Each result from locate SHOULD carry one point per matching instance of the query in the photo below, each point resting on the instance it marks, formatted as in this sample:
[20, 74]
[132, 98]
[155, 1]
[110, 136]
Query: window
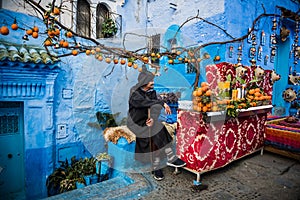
[83, 18]
[102, 13]
[96, 21]
[10, 117]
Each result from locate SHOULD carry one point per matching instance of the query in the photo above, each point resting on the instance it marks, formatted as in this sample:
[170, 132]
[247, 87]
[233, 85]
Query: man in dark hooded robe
[152, 138]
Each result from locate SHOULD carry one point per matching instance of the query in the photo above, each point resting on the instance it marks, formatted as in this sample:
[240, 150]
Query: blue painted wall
[92, 91]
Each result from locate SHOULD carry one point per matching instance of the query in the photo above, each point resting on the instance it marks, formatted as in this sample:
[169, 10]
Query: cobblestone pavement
[262, 177]
[259, 177]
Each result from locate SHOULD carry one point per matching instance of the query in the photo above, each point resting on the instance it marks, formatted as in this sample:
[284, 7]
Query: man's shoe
[176, 163]
[158, 175]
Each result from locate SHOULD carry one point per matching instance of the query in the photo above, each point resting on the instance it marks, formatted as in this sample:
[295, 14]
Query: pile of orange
[231, 104]
[256, 95]
[202, 99]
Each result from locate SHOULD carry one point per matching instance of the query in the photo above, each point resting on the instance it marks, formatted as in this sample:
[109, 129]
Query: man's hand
[149, 122]
[167, 109]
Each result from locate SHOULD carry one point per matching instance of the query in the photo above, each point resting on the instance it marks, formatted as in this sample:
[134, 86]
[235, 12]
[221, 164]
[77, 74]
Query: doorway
[12, 178]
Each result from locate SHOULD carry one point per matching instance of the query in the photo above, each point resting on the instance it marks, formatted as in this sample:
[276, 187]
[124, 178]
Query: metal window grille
[83, 19]
[102, 13]
[9, 118]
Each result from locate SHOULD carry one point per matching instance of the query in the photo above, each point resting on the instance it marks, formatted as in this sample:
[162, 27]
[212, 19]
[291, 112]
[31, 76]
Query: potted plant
[53, 181]
[63, 178]
[80, 182]
[109, 28]
[87, 168]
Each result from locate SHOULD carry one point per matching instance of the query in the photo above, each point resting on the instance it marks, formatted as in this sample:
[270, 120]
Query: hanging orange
[14, 26]
[47, 43]
[135, 66]
[100, 58]
[170, 61]
[116, 61]
[65, 44]
[108, 60]
[56, 11]
[29, 32]
[69, 34]
[74, 52]
[123, 62]
[35, 29]
[35, 34]
[61, 42]
[4, 30]
[145, 59]
[88, 52]
[97, 49]
[57, 31]
[129, 64]
[50, 33]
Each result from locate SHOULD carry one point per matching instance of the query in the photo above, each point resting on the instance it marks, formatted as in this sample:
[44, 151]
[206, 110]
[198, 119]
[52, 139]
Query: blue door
[12, 181]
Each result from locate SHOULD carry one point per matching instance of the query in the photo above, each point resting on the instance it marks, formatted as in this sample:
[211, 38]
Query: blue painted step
[124, 186]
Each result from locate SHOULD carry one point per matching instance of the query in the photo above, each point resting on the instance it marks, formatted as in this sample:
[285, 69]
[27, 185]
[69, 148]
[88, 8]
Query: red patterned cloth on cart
[207, 146]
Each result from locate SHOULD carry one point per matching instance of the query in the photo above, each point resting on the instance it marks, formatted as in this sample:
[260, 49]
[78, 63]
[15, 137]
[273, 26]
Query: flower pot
[79, 185]
[94, 179]
[104, 170]
[87, 179]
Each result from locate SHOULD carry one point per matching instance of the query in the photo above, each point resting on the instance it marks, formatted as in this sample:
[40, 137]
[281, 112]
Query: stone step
[121, 187]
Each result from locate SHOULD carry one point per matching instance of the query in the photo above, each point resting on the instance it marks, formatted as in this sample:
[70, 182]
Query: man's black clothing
[140, 101]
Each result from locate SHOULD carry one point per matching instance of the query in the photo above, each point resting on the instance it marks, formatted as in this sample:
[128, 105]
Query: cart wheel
[198, 188]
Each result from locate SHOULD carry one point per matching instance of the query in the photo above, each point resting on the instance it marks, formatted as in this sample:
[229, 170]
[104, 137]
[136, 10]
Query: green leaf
[242, 81]
[228, 77]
